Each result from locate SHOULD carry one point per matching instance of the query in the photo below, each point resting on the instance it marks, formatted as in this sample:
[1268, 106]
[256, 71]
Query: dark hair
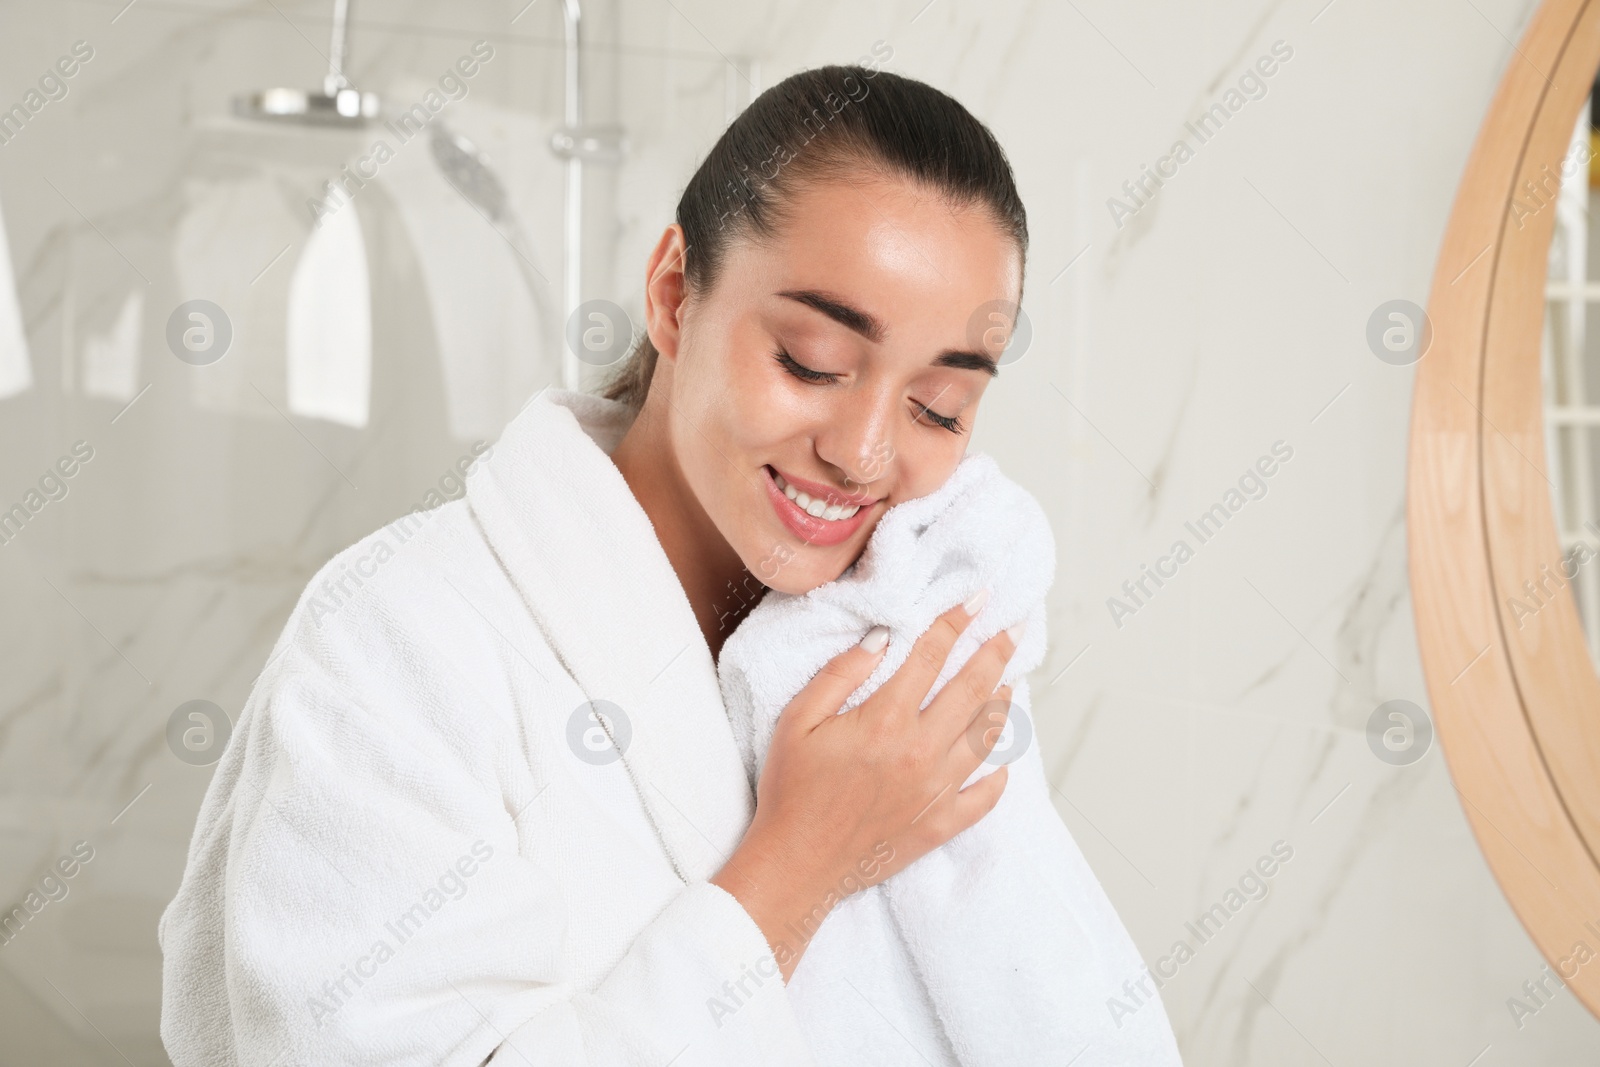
[817, 124]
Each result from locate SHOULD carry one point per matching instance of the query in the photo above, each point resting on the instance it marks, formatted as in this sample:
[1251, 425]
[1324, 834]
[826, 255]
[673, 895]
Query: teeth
[815, 507]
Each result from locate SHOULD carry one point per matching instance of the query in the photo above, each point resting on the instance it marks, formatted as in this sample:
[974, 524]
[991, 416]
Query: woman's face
[832, 370]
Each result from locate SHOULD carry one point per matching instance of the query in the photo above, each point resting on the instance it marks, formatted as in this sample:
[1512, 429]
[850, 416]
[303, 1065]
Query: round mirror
[1503, 445]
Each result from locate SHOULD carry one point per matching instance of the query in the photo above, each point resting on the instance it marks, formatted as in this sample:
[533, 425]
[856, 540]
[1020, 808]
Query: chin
[796, 569]
[796, 581]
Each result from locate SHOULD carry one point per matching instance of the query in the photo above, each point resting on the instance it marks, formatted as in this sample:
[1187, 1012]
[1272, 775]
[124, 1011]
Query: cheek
[924, 459]
[723, 429]
[754, 412]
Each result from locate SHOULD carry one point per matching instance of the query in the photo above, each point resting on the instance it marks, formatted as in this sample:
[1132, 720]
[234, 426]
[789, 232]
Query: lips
[835, 523]
[817, 506]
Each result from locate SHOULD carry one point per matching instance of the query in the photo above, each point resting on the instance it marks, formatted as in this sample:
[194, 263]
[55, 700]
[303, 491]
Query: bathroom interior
[253, 336]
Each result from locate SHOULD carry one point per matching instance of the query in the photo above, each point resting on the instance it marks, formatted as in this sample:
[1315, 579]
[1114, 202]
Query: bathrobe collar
[586, 560]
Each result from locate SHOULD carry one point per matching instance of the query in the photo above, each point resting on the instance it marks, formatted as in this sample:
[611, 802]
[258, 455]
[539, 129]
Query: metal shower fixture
[338, 104]
[576, 144]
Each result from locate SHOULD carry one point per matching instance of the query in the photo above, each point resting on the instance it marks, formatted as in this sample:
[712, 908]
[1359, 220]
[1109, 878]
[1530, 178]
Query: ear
[664, 291]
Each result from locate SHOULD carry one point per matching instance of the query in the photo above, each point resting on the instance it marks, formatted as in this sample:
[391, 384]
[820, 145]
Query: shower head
[465, 167]
[467, 170]
[338, 104]
[343, 107]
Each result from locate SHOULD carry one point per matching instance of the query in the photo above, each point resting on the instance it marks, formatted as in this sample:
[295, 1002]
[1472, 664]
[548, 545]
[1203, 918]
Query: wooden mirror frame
[1516, 702]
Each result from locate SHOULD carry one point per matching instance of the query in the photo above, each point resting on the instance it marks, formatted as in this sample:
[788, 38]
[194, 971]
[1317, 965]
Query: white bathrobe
[413, 850]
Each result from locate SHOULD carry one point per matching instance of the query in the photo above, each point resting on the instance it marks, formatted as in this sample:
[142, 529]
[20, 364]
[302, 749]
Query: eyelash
[806, 374]
[953, 424]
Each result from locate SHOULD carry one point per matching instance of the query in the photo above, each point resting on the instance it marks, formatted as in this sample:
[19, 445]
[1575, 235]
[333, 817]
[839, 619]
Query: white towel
[16, 370]
[111, 356]
[330, 324]
[103, 304]
[240, 235]
[1000, 945]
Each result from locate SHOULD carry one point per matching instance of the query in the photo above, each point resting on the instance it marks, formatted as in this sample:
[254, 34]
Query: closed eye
[805, 374]
[952, 423]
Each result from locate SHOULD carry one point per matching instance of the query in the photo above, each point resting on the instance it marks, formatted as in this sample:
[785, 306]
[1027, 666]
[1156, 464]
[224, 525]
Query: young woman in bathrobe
[484, 801]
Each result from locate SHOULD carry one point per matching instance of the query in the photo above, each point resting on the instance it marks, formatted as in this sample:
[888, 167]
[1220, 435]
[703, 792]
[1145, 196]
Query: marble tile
[1227, 713]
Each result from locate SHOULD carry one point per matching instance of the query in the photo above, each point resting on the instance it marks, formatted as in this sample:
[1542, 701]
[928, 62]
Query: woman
[488, 804]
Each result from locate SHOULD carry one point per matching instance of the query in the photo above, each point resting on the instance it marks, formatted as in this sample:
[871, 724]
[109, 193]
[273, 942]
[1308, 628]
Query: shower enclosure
[165, 257]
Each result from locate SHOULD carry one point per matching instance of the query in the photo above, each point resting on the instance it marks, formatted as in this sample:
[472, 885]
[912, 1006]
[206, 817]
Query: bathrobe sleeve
[359, 891]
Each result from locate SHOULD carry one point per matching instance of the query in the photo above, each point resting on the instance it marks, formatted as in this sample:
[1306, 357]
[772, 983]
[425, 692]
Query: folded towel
[1000, 947]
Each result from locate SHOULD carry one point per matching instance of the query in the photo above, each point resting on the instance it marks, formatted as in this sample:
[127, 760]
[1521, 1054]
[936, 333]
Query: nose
[858, 437]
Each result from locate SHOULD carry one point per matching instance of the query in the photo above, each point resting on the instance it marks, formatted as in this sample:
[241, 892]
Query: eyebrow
[872, 328]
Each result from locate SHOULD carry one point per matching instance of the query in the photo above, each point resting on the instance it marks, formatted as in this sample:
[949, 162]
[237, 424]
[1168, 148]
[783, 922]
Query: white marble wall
[1225, 715]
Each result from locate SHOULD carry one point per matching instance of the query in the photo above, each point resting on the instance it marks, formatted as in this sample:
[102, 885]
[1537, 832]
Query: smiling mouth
[817, 520]
[816, 507]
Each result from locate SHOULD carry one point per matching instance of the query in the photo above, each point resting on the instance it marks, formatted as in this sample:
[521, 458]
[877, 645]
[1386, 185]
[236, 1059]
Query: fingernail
[1016, 632]
[876, 638]
[976, 601]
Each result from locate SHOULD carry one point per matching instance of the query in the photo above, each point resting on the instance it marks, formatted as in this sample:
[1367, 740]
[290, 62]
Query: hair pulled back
[823, 123]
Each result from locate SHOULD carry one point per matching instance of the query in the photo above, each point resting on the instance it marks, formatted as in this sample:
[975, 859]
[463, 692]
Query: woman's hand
[847, 800]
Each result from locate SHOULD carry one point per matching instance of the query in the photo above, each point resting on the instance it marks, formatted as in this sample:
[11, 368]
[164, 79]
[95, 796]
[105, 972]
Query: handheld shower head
[464, 167]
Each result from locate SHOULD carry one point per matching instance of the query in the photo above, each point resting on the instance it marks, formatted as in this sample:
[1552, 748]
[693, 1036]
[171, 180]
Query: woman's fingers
[826, 693]
[972, 686]
[979, 798]
[903, 693]
[969, 805]
[953, 809]
[982, 732]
